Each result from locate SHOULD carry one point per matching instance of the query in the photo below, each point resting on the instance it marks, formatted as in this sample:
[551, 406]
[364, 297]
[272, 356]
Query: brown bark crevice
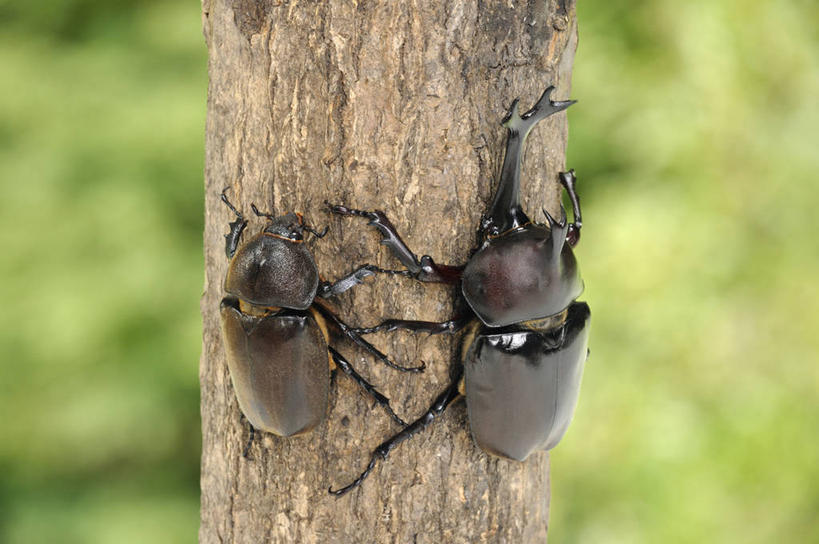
[382, 105]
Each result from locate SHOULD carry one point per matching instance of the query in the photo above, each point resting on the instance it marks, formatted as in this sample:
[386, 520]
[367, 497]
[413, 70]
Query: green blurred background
[696, 145]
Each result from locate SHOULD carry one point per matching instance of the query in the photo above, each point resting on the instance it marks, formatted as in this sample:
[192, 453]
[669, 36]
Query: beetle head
[289, 226]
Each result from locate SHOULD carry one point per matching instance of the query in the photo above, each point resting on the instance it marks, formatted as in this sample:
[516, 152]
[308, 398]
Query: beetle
[275, 328]
[526, 335]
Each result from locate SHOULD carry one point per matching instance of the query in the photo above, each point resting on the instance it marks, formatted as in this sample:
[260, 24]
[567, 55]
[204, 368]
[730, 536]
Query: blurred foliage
[694, 140]
[101, 150]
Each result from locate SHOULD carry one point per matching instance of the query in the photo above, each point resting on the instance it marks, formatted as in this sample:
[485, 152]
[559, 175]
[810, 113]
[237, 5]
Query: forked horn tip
[513, 114]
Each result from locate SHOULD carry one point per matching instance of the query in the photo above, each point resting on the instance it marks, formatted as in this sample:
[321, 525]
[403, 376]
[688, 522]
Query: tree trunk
[395, 106]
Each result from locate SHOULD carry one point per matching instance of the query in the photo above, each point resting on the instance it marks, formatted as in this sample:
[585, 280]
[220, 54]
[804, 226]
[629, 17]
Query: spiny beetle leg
[391, 237]
[569, 180]
[423, 269]
[327, 289]
[381, 452]
[432, 327]
[236, 227]
[352, 335]
[347, 368]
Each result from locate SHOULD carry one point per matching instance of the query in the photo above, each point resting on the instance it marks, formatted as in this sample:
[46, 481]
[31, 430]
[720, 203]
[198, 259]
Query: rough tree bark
[390, 105]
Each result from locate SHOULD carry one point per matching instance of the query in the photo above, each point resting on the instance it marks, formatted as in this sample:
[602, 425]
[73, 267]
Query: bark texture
[390, 105]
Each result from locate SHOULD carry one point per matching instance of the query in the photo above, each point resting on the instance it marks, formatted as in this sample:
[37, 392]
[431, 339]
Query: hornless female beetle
[525, 346]
[275, 330]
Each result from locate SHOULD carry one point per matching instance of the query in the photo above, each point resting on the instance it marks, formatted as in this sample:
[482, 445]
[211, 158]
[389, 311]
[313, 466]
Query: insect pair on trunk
[525, 334]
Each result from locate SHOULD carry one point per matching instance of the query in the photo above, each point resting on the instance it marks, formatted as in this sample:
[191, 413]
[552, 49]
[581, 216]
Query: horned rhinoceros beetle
[526, 335]
[276, 330]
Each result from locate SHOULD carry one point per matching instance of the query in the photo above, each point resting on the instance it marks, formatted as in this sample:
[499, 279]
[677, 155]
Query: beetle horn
[551, 220]
[513, 115]
[505, 212]
[544, 107]
[557, 230]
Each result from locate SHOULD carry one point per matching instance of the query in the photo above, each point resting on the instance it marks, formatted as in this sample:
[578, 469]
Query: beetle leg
[423, 269]
[352, 335]
[347, 368]
[327, 289]
[229, 205]
[381, 452]
[316, 233]
[568, 180]
[261, 214]
[236, 227]
[432, 327]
